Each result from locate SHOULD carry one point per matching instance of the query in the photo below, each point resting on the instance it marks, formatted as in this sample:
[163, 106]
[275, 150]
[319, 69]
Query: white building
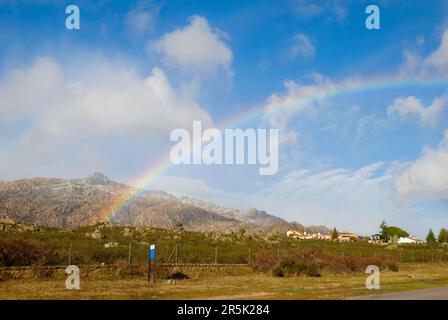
[409, 240]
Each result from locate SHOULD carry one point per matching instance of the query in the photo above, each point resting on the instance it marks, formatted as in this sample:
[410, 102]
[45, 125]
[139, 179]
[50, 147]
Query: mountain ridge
[69, 203]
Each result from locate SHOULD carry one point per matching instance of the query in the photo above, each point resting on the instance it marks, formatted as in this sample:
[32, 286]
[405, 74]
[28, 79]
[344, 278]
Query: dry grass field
[220, 286]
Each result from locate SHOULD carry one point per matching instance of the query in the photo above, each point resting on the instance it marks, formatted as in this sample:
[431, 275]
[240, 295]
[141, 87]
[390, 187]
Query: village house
[342, 236]
[409, 240]
[347, 236]
[302, 235]
[375, 238]
[326, 236]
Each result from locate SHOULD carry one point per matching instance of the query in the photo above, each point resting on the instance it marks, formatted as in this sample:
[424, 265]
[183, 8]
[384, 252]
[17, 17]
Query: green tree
[334, 234]
[384, 234]
[242, 231]
[431, 238]
[387, 233]
[396, 231]
[443, 236]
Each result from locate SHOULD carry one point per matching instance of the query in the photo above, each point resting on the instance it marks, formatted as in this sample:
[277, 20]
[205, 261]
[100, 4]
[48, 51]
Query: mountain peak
[98, 178]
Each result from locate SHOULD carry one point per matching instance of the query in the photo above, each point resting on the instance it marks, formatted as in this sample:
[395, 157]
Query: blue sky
[105, 98]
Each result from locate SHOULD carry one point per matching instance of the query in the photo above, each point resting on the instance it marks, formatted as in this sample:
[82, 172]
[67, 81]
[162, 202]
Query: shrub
[385, 262]
[264, 261]
[290, 267]
[278, 272]
[124, 269]
[312, 262]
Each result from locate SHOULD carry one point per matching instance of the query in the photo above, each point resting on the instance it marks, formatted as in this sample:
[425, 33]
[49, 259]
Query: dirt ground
[246, 286]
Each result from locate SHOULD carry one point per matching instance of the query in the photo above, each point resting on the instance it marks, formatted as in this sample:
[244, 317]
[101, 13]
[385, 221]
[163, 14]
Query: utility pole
[176, 254]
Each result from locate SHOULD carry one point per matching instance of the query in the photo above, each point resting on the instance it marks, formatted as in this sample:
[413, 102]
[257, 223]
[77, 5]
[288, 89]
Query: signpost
[152, 264]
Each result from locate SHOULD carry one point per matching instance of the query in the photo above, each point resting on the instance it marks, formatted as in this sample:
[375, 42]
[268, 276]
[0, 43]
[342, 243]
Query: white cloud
[427, 177]
[117, 102]
[405, 107]
[42, 84]
[435, 64]
[302, 47]
[280, 108]
[196, 47]
[58, 115]
[438, 60]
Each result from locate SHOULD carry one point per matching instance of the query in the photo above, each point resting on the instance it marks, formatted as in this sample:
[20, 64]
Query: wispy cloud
[405, 107]
[142, 18]
[330, 9]
[302, 47]
[434, 64]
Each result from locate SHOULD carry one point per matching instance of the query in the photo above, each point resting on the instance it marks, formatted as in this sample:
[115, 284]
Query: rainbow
[351, 86]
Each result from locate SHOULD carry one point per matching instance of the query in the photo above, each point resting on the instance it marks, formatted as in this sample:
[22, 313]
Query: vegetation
[391, 232]
[291, 267]
[443, 236]
[431, 238]
[58, 247]
[224, 286]
[313, 262]
[334, 234]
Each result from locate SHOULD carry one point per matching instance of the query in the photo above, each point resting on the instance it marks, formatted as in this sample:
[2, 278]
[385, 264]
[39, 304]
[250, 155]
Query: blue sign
[152, 252]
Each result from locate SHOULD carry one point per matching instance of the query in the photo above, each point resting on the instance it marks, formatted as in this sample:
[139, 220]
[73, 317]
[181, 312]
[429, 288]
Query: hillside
[73, 203]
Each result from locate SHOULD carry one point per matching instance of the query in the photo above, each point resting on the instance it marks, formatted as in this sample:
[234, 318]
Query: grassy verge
[220, 286]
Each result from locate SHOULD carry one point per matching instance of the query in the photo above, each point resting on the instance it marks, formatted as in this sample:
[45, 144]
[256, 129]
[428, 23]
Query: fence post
[249, 257]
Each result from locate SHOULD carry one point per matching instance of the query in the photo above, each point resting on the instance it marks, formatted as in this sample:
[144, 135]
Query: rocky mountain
[71, 203]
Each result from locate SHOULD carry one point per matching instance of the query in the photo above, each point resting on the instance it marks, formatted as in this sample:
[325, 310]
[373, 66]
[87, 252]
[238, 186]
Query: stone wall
[54, 271]
[192, 270]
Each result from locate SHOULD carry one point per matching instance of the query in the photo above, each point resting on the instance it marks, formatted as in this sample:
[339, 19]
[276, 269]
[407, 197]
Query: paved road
[424, 294]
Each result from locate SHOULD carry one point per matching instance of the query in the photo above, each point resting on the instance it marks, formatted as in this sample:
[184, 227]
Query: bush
[264, 261]
[289, 267]
[385, 262]
[17, 252]
[124, 269]
[313, 262]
